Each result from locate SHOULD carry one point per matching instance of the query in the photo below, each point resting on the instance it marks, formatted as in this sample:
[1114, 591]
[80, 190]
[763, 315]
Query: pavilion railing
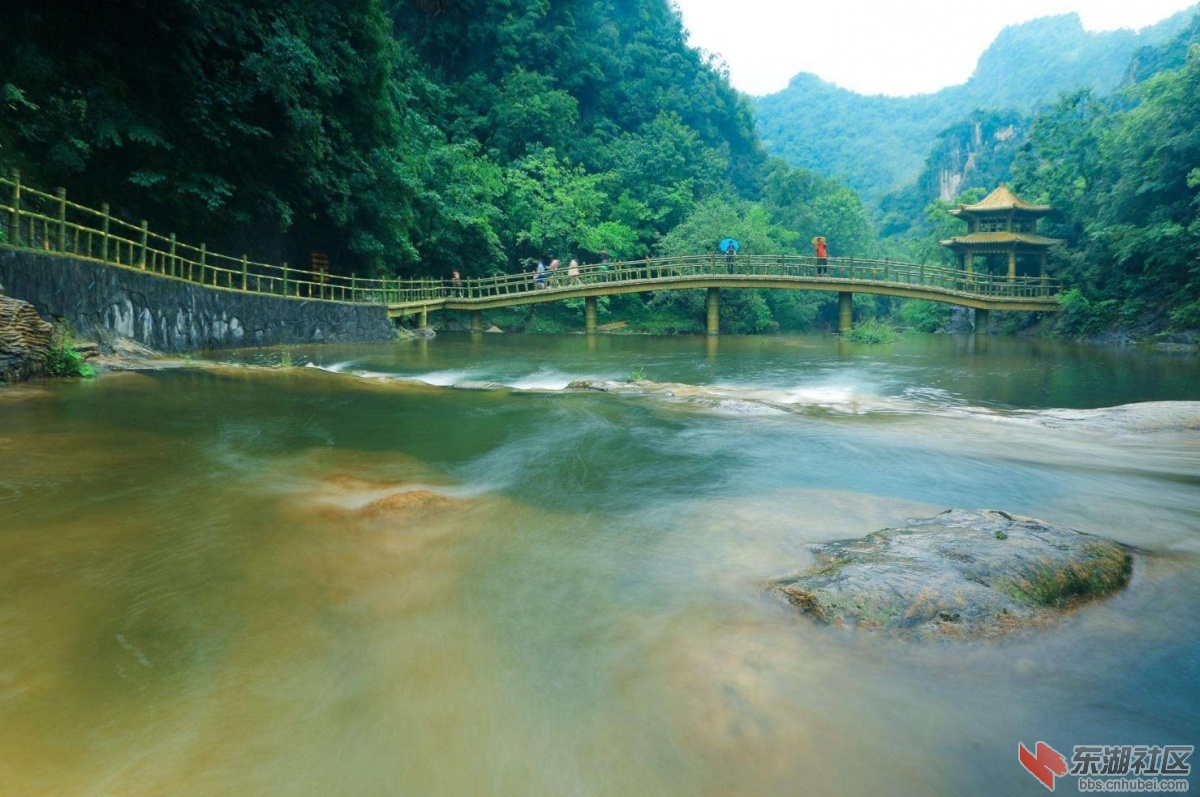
[33, 219]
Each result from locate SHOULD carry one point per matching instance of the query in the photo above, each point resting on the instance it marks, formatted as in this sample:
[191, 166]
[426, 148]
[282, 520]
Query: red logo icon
[1045, 765]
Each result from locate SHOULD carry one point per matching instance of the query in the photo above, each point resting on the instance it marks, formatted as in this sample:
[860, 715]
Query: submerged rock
[962, 573]
[474, 384]
[1141, 418]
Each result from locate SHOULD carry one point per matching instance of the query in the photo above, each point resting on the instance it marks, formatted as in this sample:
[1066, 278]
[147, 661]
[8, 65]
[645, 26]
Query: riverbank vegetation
[418, 137]
[62, 359]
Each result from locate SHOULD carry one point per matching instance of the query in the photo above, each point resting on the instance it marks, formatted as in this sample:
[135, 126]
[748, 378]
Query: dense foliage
[407, 137]
[410, 137]
[1128, 184]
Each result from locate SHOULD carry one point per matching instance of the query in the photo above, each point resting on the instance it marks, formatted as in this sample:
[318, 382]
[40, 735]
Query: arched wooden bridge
[846, 276]
[36, 220]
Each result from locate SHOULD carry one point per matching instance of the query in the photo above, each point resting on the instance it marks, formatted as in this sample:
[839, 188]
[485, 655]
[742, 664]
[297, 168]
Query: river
[350, 577]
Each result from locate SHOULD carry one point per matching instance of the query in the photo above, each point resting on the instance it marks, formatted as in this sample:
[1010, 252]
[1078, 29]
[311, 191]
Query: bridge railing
[765, 267]
[33, 219]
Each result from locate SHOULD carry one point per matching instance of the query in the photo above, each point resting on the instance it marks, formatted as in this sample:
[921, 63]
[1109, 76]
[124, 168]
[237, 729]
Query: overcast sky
[897, 47]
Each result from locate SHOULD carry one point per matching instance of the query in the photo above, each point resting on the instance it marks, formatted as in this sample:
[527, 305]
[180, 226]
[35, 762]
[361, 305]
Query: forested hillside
[405, 137]
[878, 144]
[1125, 173]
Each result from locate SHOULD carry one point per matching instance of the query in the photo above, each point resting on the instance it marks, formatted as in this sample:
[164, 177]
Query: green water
[352, 578]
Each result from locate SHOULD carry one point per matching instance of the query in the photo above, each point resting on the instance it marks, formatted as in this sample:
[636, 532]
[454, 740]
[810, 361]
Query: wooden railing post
[171, 260]
[244, 271]
[285, 289]
[354, 287]
[62, 219]
[203, 261]
[104, 230]
[142, 249]
[14, 223]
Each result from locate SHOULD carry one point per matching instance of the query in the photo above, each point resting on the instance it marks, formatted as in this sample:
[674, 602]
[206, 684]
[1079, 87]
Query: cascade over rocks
[24, 340]
[963, 574]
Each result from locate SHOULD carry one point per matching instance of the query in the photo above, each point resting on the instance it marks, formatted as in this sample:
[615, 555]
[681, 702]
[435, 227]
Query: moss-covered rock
[962, 574]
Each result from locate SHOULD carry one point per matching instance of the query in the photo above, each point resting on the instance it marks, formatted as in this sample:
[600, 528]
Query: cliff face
[24, 340]
[978, 151]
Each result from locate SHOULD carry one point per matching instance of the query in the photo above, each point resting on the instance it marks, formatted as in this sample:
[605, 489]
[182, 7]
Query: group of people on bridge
[547, 275]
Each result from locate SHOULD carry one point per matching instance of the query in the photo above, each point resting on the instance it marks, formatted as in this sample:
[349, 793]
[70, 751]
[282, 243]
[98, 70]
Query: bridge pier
[589, 314]
[981, 322]
[423, 318]
[477, 321]
[712, 303]
[845, 311]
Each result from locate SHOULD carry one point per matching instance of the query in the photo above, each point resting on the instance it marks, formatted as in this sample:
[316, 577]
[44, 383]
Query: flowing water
[353, 578]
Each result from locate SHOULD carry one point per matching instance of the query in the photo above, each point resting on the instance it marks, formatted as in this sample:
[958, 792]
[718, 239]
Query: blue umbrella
[729, 242]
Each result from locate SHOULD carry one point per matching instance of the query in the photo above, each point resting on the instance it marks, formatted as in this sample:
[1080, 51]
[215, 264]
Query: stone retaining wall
[175, 316]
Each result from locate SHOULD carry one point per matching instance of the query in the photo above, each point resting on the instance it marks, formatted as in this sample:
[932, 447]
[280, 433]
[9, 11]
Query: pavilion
[1002, 224]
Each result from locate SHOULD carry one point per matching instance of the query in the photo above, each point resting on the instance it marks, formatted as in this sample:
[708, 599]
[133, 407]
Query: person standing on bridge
[731, 258]
[554, 272]
[539, 279]
[573, 272]
[456, 283]
[822, 255]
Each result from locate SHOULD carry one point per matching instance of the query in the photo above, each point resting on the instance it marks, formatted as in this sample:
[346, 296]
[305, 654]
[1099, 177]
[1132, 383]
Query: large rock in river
[24, 340]
[962, 573]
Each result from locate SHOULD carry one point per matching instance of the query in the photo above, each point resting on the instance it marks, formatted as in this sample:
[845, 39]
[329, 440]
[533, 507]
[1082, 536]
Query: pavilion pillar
[970, 261]
[1012, 264]
[712, 304]
[589, 314]
[845, 311]
[1043, 265]
[981, 322]
[476, 320]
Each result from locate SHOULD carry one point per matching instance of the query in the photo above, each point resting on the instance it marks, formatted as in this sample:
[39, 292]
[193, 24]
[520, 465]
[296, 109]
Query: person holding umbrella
[730, 247]
[822, 255]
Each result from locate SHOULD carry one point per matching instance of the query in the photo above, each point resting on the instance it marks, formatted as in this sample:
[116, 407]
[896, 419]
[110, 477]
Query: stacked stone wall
[99, 301]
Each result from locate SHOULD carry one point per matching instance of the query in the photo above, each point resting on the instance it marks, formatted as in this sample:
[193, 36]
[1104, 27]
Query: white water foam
[543, 379]
[828, 395]
[336, 368]
[442, 378]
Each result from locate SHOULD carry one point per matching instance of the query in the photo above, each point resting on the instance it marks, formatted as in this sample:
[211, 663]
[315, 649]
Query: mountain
[878, 144]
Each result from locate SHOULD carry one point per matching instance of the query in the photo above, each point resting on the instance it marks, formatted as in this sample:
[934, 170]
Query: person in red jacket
[822, 254]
